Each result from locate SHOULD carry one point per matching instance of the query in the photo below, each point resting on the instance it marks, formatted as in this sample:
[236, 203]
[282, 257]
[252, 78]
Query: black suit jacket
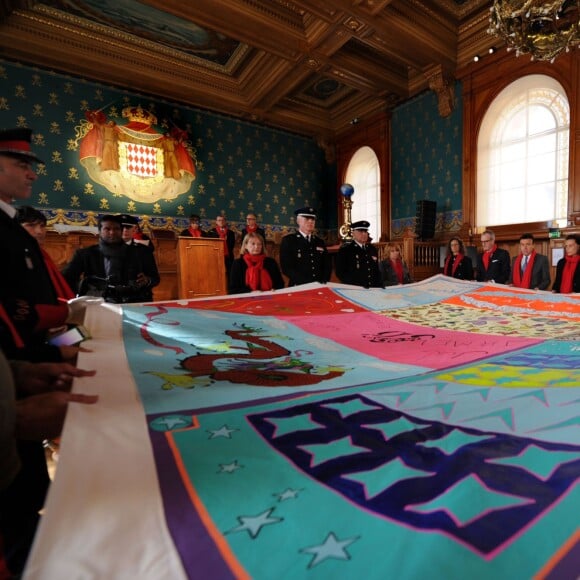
[558, 280]
[27, 293]
[302, 261]
[358, 266]
[89, 263]
[24, 273]
[260, 231]
[540, 273]
[498, 270]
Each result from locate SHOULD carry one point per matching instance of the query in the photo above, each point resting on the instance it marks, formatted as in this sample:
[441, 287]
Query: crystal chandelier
[540, 29]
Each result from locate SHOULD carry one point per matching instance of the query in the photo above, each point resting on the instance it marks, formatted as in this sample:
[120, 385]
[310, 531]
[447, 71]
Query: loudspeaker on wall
[425, 219]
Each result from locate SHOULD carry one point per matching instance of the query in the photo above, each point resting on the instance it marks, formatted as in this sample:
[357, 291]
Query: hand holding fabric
[78, 306]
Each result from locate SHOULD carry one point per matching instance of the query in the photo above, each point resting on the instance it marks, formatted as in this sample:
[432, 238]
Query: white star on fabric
[223, 431]
[253, 524]
[287, 494]
[172, 422]
[229, 467]
[332, 547]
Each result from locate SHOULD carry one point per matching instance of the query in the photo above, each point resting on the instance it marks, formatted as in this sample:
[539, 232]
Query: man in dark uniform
[30, 302]
[493, 264]
[118, 272]
[303, 255]
[132, 233]
[357, 261]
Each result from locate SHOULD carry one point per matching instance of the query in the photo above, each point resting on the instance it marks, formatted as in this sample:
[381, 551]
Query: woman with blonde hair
[254, 270]
[394, 269]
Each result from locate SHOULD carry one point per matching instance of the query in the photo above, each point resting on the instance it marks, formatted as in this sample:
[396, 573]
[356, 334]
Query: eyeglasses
[485, 241]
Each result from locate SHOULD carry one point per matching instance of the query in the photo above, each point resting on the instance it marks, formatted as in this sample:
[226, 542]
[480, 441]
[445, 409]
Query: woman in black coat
[457, 264]
[254, 270]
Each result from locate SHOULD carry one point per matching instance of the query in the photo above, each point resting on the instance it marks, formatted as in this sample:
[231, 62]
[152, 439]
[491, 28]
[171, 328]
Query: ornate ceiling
[309, 66]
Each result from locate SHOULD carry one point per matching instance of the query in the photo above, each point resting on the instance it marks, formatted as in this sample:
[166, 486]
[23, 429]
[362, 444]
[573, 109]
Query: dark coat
[24, 272]
[304, 262]
[540, 273]
[27, 293]
[238, 275]
[260, 231]
[464, 270]
[558, 280]
[88, 263]
[499, 267]
[389, 276]
[230, 243]
[358, 266]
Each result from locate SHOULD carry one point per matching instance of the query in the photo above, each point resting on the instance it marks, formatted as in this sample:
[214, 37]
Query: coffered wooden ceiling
[309, 66]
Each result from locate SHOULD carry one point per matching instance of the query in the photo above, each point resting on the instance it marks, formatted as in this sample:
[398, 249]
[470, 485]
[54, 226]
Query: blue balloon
[346, 189]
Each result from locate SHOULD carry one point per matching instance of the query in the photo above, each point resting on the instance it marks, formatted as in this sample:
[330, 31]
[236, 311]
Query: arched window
[363, 173]
[522, 154]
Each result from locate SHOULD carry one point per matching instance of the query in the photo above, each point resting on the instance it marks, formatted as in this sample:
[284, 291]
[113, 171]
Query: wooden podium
[201, 271]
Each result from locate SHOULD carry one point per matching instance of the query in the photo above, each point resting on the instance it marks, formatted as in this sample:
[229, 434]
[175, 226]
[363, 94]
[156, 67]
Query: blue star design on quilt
[331, 547]
[254, 524]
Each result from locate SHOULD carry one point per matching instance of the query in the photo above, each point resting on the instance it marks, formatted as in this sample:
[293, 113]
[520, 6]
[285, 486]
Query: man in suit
[118, 272]
[357, 261]
[252, 227]
[529, 269]
[303, 255]
[493, 264]
[29, 302]
[222, 231]
[24, 273]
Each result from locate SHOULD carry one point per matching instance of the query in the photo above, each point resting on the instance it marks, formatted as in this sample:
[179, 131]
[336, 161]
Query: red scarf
[251, 229]
[223, 234]
[18, 343]
[257, 278]
[456, 263]
[567, 284]
[398, 268]
[195, 233]
[517, 279]
[61, 287]
[487, 256]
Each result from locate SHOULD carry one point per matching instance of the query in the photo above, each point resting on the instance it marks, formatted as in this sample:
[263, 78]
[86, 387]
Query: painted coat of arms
[134, 159]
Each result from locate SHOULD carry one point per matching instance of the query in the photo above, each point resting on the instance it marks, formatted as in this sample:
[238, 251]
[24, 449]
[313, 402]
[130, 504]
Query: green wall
[426, 161]
[241, 166]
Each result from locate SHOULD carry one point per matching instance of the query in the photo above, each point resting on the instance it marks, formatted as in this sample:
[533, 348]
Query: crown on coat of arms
[139, 115]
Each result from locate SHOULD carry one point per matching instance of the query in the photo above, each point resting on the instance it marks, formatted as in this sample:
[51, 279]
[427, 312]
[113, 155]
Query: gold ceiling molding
[72, 24]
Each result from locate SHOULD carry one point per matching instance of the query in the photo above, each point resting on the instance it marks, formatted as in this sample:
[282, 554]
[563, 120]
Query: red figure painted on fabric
[279, 368]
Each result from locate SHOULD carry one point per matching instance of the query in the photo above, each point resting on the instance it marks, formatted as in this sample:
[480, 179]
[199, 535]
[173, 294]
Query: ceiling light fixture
[536, 27]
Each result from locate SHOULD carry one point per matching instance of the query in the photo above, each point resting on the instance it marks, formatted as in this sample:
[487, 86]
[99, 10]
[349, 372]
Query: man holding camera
[117, 272]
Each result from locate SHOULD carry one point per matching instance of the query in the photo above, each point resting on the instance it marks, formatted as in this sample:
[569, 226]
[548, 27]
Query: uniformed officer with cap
[132, 233]
[303, 255]
[357, 261]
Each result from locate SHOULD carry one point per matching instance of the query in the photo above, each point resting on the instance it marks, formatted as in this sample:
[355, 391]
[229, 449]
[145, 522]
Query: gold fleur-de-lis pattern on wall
[240, 166]
[426, 162]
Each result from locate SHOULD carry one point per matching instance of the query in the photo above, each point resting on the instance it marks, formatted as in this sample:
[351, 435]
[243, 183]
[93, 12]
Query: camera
[110, 289]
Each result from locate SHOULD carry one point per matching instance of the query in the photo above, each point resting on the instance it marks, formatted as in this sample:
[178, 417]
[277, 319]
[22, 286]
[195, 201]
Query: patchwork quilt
[429, 430]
